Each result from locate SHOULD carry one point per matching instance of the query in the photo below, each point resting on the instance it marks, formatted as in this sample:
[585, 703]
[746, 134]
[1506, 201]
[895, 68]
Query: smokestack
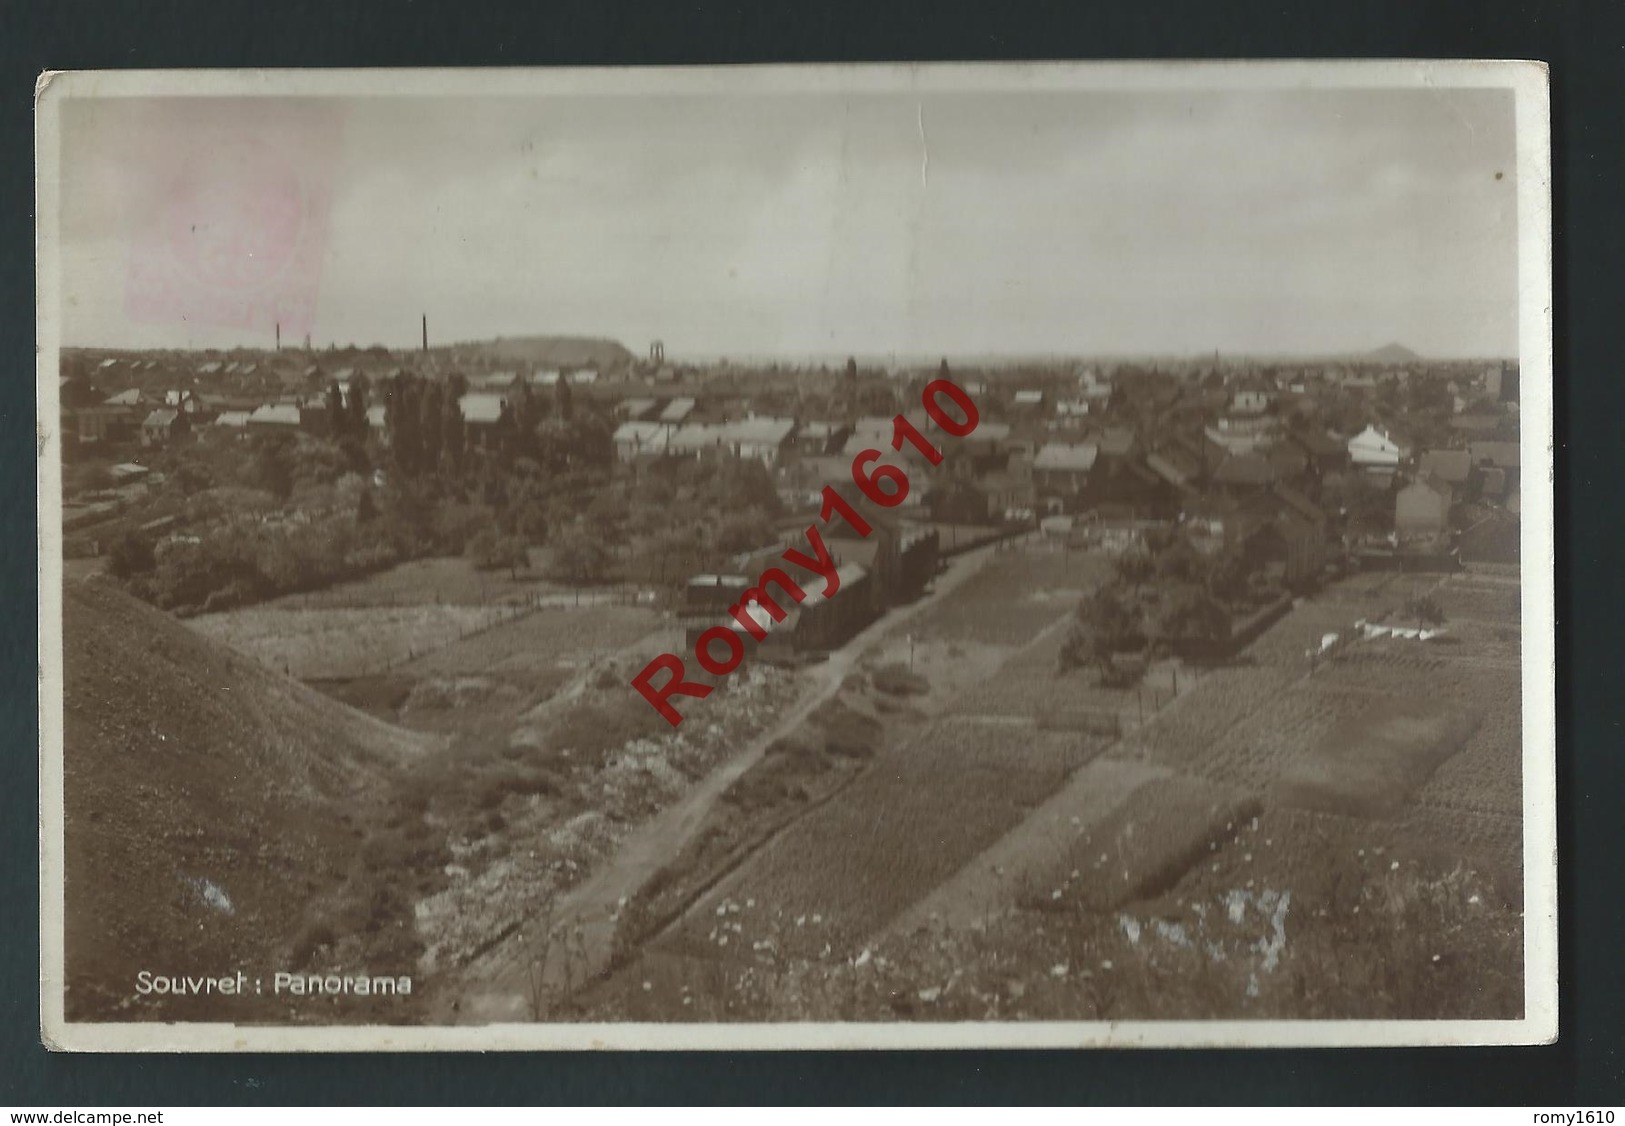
[425, 332]
[279, 336]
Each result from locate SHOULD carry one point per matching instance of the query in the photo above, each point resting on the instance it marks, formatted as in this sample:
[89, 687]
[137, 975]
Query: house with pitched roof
[1378, 449]
[1497, 466]
[1326, 453]
[639, 439]
[1243, 473]
[1454, 467]
[1422, 508]
[484, 413]
[1060, 473]
[163, 426]
[277, 418]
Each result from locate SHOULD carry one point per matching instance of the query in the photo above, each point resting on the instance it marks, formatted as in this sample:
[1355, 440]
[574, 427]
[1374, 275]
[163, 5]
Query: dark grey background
[1585, 45]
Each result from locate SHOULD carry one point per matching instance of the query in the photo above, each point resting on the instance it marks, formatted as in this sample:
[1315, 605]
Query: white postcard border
[1529, 83]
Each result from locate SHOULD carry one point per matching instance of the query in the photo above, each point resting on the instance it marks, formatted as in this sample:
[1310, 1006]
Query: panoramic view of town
[894, 557]
[1175, 688]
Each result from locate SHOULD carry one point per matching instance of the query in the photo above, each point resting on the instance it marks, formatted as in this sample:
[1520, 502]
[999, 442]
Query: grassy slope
[189, 768]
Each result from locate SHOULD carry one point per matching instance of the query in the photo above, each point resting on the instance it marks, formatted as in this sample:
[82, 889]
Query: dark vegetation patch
[897, 680]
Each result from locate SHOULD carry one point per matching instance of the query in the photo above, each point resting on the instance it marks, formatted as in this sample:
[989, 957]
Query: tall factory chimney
[279, 336]
[425, 332]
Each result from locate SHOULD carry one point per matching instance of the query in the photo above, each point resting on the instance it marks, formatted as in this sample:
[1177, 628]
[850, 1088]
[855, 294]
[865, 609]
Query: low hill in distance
[1392, 354]
[551, 351]
[217, 818]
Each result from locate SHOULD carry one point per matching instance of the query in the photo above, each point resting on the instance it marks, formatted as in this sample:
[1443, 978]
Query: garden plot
[952, 668]
[491, 676]
[1145, 845]
[914, 818]
[1256, 750]
[1014, 596]
[541, 641]
[1473, 600]
[1186, 730]
[1487, 774]
[448, 580]
[1030, 684]
[1369, 766]
[1461, 670]
[344, 642]
[1476, 836]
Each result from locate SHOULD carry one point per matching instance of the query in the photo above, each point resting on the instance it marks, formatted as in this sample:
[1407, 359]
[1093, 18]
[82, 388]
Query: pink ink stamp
[239, 235]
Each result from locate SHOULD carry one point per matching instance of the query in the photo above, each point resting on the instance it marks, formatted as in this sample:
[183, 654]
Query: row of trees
[424, 422]
[428, 434]
[347, 413]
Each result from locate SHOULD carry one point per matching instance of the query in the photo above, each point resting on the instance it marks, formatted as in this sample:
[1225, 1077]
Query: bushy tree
[1134, 568]
[528, 411]
[579, 557]
[529, 521]
[491, 550]
[338, 422]
[1425, 608]
[192, 478]
[1179, 562]
[564, 398]
[271, 466]
[1227, 575]
[431, 426]
[453, 436]
[1106, 623]
[131, 554]
[403, 420]
[1191, 614]
[360, 387]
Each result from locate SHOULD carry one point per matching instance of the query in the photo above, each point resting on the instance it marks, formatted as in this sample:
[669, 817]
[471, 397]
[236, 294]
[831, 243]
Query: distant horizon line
[804, 358]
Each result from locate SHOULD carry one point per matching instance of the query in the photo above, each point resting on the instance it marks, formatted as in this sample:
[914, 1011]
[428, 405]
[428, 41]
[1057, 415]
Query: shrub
[579, 556]
[490, 550]
[896, 680]
[1425, 609]
[846, 732]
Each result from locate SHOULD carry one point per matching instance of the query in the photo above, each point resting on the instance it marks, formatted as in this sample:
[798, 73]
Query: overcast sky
[797, 224]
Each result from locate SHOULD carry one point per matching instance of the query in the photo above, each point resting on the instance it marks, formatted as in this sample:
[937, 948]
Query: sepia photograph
[1008, 555]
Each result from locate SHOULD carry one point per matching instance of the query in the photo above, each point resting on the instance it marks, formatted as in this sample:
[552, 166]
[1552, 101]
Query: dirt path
[496, 987]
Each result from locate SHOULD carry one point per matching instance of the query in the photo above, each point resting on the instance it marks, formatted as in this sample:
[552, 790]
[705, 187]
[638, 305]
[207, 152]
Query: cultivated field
[344, 642]
[936, 792]
[922, 810]
[444, 580]
[373, 641]
[1225, 858]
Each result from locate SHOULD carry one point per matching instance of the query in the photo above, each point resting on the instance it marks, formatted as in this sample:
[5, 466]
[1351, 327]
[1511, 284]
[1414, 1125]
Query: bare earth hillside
[215, 818]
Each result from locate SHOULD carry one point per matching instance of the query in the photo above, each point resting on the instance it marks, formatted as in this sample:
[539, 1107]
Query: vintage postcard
[897, 556]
